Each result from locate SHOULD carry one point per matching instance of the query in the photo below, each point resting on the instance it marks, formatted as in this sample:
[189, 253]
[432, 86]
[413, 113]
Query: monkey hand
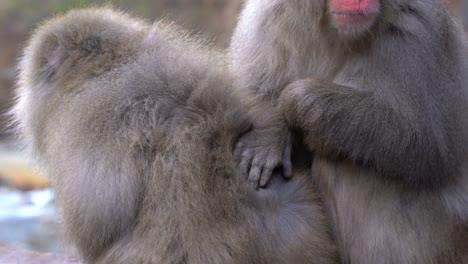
[261, 150]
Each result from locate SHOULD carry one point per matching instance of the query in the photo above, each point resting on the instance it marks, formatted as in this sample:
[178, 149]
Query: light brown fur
[135, 125]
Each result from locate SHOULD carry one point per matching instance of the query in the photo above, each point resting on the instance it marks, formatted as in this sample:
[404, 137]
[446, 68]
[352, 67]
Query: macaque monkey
[136, 124]
[377, 90]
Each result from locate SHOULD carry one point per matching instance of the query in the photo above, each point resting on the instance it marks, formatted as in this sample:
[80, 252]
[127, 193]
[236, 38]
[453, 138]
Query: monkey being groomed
[135, 124]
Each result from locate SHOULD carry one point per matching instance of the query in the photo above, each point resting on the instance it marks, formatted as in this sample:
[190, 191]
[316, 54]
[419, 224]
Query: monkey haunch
[135, 125]
[377, 89]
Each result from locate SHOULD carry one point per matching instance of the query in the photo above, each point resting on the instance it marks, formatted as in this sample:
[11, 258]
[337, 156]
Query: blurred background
[28, 218]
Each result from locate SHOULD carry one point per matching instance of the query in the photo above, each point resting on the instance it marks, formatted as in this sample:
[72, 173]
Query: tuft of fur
[135, 125]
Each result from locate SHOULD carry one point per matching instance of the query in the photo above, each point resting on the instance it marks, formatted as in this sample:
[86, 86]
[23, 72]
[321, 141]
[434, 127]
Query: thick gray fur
[385, 111]
[135, 125]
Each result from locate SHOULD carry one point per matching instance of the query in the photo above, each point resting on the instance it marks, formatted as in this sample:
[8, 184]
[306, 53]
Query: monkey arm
[343, 123]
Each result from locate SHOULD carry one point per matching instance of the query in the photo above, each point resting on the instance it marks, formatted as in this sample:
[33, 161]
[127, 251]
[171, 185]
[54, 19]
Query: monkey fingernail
[237, 154]
[244, 166]
[254, 175]
[266, 175]
[263, 183]
[288, 173]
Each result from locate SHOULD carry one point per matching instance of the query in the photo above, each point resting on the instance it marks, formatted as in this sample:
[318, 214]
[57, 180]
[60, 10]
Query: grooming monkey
[135, 124]
[377, 90]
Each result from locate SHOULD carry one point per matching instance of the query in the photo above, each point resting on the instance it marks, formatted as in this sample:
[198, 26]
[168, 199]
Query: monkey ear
[84, 41]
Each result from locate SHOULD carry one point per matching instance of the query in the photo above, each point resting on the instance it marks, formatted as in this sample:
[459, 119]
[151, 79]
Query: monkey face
[353, 17]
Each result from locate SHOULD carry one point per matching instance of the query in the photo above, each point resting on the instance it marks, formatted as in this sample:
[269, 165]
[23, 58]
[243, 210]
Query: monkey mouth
[352, 19]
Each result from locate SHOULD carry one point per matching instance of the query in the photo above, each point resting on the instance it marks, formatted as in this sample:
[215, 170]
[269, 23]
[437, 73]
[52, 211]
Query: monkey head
[350, 19]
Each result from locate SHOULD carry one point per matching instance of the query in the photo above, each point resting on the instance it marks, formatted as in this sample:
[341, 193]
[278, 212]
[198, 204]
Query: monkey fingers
[265, 160]
[286, 158]
[238, 152]
[255, 172]
[244, 160]
[257, 159]
[261, 170]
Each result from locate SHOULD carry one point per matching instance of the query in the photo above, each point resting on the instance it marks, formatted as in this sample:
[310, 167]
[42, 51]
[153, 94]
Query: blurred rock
[16, 172]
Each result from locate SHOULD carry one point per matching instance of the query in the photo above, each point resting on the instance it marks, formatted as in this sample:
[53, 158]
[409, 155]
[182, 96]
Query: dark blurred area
[28, 218]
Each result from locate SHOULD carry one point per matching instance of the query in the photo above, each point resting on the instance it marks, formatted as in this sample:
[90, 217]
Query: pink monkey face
[353, 16]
